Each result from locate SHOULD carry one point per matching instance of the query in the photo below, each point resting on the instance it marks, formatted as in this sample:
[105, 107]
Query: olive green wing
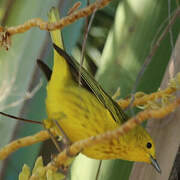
[92, 85]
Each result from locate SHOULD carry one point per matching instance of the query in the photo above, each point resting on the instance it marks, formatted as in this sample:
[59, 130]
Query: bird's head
[144, 147]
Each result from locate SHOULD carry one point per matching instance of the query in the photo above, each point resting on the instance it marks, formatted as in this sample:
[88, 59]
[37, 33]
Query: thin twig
[21, 119]
[85, 40]
[98, 170]
[170, 30]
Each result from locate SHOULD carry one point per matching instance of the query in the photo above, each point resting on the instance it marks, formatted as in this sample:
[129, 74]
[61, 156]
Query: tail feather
[55, 35]
[61, 74]
[45, 69]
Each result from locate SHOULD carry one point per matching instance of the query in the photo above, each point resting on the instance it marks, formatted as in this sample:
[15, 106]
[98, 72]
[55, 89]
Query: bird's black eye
[148, 145]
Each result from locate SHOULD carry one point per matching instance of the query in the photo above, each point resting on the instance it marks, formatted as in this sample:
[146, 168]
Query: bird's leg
[64, 168]
[65, 137]
[54, 141]
[60, 147]
[65, 144]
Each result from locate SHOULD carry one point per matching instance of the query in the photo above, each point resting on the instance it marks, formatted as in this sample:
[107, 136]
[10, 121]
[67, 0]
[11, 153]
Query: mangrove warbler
[84, 111]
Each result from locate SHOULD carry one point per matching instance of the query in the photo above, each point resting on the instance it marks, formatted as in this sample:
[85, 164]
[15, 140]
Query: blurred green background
[119, 41]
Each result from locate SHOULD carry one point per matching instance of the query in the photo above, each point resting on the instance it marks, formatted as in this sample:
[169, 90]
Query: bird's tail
[60, 73]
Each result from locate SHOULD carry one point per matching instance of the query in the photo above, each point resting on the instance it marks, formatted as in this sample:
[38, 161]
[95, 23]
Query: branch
[6, 33]
[43, 25]
[26, 141]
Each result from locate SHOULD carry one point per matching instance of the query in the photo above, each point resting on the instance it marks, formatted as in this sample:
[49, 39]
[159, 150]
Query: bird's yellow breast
[79, 113]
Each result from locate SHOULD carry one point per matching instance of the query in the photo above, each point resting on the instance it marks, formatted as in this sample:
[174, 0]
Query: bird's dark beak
[155, 164]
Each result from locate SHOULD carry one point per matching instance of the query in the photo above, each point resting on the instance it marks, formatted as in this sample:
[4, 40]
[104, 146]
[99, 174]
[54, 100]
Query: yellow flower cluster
[39, 172]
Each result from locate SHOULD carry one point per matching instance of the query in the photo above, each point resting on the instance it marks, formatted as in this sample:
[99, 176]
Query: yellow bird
[87, 110]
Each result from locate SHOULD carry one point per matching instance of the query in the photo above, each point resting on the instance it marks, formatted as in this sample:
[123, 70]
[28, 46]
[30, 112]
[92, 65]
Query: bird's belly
[79, 114]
